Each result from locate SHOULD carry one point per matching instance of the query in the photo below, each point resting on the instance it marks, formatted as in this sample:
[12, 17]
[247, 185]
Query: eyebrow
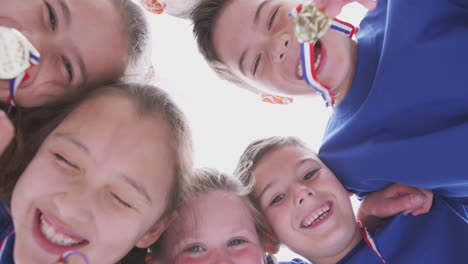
[65, 10]
[241, 62]
[139, 188]
[268, 186]
[258, 12]
[65, 7]
[81, 66]
[73, 140]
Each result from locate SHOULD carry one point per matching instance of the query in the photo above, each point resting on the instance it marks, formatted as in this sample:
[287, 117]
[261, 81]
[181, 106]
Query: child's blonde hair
[136, 26]
[150, 100]
[206, 180]
[256, 150]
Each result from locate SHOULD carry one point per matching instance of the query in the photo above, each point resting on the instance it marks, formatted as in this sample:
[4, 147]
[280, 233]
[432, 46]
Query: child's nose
[220, 256]
[303, 193]
[72, 206]
[280, 47]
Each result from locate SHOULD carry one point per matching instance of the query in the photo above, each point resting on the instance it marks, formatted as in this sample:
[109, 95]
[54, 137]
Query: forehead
[229, 39]
[104, 51]
[116, 139]
[282, 160]
[216, 214]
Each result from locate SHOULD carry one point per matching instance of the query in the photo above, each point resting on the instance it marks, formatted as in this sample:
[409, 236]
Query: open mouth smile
[318, 216]
[317, 61]
[53, 237]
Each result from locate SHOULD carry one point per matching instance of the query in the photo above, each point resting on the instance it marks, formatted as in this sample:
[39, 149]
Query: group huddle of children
[93, 164]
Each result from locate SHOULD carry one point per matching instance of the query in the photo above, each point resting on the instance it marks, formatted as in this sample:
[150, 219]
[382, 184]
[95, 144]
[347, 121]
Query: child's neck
[357, 237]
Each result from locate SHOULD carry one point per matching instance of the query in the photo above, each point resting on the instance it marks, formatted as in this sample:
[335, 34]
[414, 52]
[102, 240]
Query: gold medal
[15, 53]
[311, 24]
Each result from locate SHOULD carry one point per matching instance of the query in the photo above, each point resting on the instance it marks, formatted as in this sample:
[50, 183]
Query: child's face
[98, 184]
[309, 209]
[81, 42]
[262, 49]
[217, 227]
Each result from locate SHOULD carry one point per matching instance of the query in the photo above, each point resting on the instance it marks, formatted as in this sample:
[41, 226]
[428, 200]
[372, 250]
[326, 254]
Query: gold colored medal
[311, 24]
[15, 52]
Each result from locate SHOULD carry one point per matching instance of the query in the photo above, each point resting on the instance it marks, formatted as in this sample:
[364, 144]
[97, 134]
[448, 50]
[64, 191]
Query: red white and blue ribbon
[308, 58]
[18, 80]
[370, 242]
[67, 254]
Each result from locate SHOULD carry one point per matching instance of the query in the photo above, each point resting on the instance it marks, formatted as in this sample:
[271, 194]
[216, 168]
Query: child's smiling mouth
[54, 238]
[317, 216]
[317, 61]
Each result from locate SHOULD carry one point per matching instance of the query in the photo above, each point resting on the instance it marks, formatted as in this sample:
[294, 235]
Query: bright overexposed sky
[224, 118]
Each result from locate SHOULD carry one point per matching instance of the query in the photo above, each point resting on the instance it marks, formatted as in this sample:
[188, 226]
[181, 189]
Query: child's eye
[194, 249]
[277, 199]
[63, 160]
[272, 18]
[69, 68]
[256, 63]
[236, 242]
[122, 202]
[52, 16]
[310, 174]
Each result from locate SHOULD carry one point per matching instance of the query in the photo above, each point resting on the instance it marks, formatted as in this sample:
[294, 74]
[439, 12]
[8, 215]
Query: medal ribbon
[17, 81]
[67, 254]
[308, 58]
[370, 242]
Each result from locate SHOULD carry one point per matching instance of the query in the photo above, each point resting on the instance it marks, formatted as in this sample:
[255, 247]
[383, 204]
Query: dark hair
[204, 17]
[32, 126]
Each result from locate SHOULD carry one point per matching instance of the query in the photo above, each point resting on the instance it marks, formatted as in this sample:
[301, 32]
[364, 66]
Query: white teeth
[317, 61]
[317, 216]
[53, 236]
[299, 70]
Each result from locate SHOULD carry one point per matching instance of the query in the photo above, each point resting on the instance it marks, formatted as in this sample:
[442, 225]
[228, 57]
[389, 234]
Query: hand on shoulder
[392, 200]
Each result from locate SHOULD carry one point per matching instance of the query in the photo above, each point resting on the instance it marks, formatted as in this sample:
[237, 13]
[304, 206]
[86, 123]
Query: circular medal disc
[14, 53]
[311, 24]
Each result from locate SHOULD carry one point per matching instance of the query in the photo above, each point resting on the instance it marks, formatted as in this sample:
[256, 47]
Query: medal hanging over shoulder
[65, 256]
[17, 55]
[310, 24]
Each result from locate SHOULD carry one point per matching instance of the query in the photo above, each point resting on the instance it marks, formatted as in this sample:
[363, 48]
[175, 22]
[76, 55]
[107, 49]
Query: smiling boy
[402, 106]
[311, 213]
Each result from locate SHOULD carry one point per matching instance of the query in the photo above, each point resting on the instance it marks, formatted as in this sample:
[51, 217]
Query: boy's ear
[271, 247]
[155, 232]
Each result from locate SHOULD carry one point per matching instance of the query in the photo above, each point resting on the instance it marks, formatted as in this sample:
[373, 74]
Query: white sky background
[224, 118]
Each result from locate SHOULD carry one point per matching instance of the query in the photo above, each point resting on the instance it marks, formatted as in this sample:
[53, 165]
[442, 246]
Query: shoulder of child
[294, 261]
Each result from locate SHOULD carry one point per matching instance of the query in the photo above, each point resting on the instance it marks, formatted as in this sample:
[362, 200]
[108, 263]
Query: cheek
[182, 259]
[249, 255]
[278, 219]
[38, 173]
